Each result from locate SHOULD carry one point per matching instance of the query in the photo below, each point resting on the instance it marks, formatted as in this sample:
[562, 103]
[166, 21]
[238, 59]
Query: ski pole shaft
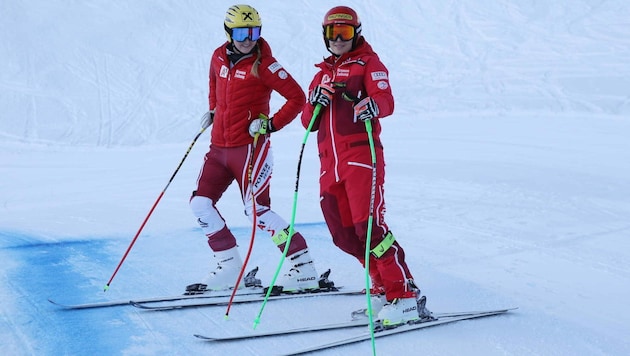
[318, 107]
[133, 241]
[250, 168]
[368, 238]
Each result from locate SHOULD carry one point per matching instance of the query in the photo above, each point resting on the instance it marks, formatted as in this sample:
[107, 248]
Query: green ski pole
[318, 107]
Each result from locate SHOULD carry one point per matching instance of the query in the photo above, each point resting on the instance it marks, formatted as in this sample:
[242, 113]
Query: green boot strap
[281, 237]
[382, 247]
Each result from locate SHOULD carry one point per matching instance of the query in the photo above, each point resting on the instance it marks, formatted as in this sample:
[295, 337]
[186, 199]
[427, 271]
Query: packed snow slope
[508, 174]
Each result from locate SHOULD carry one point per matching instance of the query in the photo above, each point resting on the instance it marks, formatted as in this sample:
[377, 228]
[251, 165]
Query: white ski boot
[399, 311]
[224, 276]
[302, 276]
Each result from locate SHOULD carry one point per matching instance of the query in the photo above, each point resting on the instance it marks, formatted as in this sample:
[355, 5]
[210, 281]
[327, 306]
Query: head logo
[333, 17]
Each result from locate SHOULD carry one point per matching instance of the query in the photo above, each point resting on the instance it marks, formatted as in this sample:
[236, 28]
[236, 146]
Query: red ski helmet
[341, 21]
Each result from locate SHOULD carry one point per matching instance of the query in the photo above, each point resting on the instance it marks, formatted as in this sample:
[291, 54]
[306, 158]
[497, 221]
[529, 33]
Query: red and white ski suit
[346, 163]
[238, 96]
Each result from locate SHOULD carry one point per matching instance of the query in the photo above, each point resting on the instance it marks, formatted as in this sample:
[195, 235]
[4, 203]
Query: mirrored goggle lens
[345, 32]
[242, 33]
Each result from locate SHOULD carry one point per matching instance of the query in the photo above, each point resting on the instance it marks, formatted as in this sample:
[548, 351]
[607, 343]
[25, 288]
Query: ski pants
[222, 166]
[345, 194]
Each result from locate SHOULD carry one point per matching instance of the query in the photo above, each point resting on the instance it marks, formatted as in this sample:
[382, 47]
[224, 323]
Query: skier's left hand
[366, 109]
[261, 126]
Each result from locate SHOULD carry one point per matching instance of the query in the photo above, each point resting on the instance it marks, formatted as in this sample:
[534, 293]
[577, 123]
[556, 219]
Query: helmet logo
[247, 16]
[339, 17]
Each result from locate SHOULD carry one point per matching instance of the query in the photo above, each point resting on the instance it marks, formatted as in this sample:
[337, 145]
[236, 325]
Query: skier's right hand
[321, 94]
[207, 119]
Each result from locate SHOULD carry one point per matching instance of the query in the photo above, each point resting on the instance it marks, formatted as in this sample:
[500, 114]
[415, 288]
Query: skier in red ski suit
[352, 86]
[243, 74]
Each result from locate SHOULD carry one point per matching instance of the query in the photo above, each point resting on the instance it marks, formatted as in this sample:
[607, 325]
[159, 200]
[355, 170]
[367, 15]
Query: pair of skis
[257, 294]
[199, 297]
[441, 318]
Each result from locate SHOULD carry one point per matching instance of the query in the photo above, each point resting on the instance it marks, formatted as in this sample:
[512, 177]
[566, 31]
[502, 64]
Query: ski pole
[318, 107]
[250, 168]
[153, 208]
[368, 239]
[368, 129]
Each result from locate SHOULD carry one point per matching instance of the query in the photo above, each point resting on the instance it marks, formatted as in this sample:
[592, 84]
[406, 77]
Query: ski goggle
[334, 31]
[240, 34]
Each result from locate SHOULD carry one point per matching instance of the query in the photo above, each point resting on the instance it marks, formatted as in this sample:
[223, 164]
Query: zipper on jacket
[332, 129]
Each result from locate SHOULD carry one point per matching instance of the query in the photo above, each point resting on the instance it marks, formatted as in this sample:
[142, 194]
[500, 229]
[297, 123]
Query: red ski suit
[346, 163]
[238, 96]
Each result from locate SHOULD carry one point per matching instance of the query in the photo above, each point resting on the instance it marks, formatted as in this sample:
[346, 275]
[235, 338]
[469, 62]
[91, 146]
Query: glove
[322, 94]
[261, 126]
[366, 109]
[207, 119]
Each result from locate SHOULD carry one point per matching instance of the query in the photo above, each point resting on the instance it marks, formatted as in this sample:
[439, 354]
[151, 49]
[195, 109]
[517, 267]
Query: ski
[170, 298]
[254, 334]
[253, 286]
[346, 340]
[181, 304]
[322, 327]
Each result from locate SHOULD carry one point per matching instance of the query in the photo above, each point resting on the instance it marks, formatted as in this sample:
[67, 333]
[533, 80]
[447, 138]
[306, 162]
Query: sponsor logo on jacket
[342, 72]
[240, 74]
[379, 76]
[274, 67]
[223, 73]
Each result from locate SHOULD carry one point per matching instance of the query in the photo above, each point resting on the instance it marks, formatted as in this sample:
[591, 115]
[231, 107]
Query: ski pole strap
[281, 237]
[382, 247]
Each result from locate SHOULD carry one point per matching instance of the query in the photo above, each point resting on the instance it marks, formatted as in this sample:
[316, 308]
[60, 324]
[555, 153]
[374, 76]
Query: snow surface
[508, 180]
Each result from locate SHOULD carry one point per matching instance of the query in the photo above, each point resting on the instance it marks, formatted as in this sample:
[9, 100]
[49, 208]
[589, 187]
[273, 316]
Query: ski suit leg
[262, 168]
[354, 189]
[336, 210]
[214, 179]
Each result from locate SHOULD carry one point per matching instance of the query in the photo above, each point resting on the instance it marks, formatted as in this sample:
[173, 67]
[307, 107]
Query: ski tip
[55, 303]
[106, 288]
[61, 305]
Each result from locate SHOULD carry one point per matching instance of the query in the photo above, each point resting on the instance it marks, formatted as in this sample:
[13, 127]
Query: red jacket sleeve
[278, 79]
[212, 99]
[376, 81]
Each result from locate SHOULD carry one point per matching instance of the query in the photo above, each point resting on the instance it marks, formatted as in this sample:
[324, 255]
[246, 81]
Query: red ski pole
[250, 167]
[152, 208]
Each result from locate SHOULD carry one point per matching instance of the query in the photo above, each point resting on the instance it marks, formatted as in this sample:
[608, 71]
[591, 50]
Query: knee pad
[207, 215]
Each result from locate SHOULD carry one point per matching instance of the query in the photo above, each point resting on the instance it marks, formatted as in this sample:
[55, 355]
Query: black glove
[207, 119]
[366, 109]
[321, 94]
